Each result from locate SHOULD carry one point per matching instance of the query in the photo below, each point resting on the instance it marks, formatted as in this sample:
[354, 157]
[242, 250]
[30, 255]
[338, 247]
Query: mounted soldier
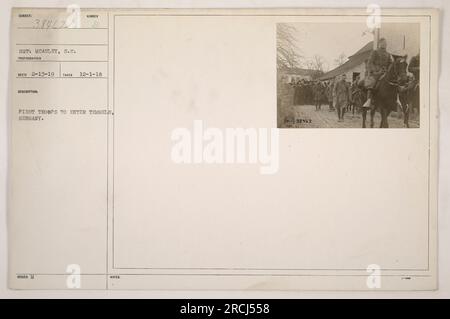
[377, 65]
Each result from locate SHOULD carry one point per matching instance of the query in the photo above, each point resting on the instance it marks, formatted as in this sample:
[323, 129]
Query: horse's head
[397, 71]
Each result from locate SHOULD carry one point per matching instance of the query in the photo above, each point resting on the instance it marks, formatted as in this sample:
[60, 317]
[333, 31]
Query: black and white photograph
[348, 75]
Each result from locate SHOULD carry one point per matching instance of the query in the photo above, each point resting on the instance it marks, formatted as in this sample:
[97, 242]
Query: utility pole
[376, 38]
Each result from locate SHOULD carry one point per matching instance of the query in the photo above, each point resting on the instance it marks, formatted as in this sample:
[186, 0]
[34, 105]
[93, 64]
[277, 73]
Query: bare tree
[316, 63]
[287, 51]
[341, 59]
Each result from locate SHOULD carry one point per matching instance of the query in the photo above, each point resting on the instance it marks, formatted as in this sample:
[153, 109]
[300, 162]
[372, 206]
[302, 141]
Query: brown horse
[385, 97]
[386, 93]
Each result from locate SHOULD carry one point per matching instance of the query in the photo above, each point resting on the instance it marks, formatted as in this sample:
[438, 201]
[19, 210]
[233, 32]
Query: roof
[299, 71]
[354, 60]
[366, 48]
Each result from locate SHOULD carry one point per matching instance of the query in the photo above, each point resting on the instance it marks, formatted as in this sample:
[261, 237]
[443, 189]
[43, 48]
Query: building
[295, 74]
[354, 66]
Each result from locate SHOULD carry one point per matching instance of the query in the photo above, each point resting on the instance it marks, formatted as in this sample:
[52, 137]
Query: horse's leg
[418, 106]
[382, 117]
[406, 110]
[364, 114]
[417, 102]
[386, 116]
[372, 115]
[407, 118]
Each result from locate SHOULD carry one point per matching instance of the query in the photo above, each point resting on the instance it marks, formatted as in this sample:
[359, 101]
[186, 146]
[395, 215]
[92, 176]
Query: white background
[444, 177]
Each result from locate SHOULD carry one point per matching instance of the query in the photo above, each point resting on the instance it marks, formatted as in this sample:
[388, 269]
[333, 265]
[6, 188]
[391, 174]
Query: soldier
[414, 67]
[413, 86]
[299, 91]
[342, 96]
[354, 89]
[333, 85]
[377, 65]
[296, 93]
[329, 91]
[355, 84]
[318, 92]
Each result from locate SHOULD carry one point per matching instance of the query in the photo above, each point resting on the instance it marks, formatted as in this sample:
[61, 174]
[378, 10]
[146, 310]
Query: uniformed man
[355, 89]
[299, 91]
[329, 93]
[318, 94]
[377, 66]
[414, 67]
[342, 96]
[355, 84]
[333, 92]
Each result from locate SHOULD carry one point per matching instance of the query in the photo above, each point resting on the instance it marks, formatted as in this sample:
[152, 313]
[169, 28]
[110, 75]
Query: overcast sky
[329, 40]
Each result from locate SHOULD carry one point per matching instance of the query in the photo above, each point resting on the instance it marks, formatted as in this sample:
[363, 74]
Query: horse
[386, 93]
[385, 97]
